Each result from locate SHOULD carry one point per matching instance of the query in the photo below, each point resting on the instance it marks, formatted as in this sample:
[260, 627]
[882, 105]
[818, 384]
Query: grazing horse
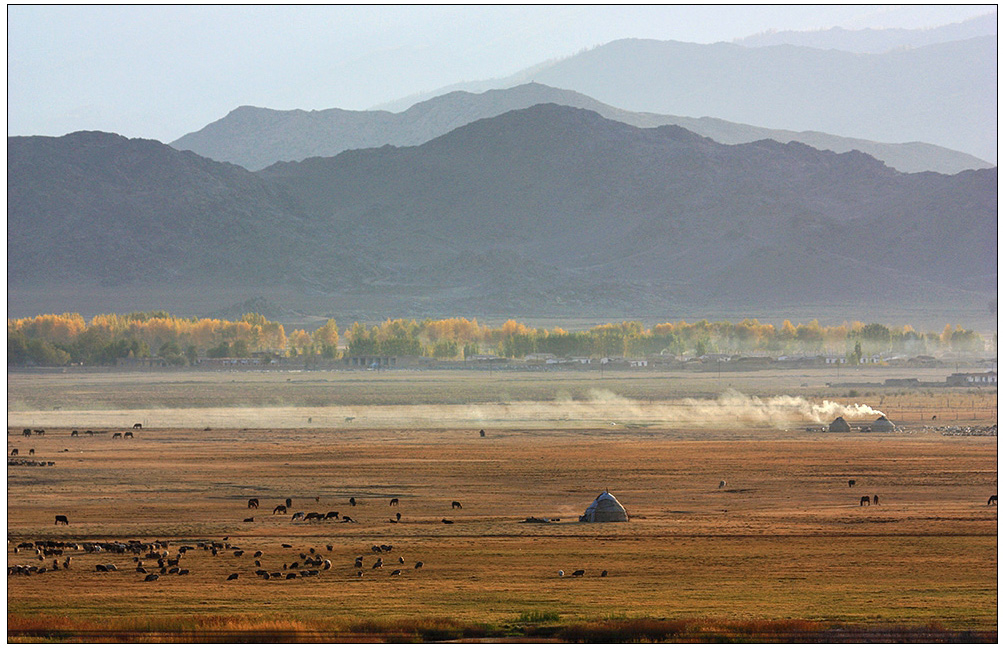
[26, 433]
[298, 515]
[279, 508]
[456, 504]
[579, 573]
[314, 515]
[331, 515]
[875, 501]
[128, 434]
[398, 516]
[447, 521]
[352, 501]
[289, 503]
[74, 433]
[233, 576]
[248, 519]
[138, 425]
[13, 452]
[852, 482]
[252, 503]
[992, 501]
[31, 452]
[865, 500]
[117, 434]
[61, 519]
[482, 433]
[394, 501]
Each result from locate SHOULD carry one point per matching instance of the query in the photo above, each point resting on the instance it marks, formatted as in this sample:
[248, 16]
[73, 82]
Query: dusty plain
[784, 542]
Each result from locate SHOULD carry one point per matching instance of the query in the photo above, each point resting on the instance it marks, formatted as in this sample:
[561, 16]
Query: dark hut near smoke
[839, 425]
[883, 424]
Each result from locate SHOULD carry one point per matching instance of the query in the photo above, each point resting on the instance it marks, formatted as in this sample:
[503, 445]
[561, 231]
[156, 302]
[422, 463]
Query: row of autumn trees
[54, 340]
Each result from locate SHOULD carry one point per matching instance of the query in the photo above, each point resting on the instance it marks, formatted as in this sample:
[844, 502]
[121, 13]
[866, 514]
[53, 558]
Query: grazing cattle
[456, 504]
[233, 576]
[358, 563]
[482, 433]
[579, 573]
[279, 508]
[74, 433]
[722, 484]
[316, 499]
[138, 425]
[298, 515]
[117, 434]
[236, 553]
[447, 521]
[604, 573]
[140, 569]
[560, 573]
[128, 434]
[852, 482]
[378, 563]
[287, 546]
[875, 501]
[13, 452]
[31, 452]
[401, 559]
[248, 519]
[865, 500]
[314, 515]
[26, 433]
[360, 574]
[258, 554]
[398, 516]
[173, 570]
[150, 577]
[992, 501]
[331, 515]
[348, 520]
[352, 501]
[252, 503]
[418, 565]
[61, 519]
[394, 501]
[934, 417]
[395, 572]
[289, 503]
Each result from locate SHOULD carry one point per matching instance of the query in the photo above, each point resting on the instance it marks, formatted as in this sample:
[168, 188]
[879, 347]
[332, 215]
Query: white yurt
[605, 508]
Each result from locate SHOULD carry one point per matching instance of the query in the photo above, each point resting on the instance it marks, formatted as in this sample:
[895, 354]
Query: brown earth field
[783, 551]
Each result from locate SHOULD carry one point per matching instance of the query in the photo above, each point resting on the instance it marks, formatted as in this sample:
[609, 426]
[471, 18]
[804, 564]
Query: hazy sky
[163, 71]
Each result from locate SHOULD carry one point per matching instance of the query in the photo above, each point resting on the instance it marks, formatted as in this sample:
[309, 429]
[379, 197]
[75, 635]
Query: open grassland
[783, 551]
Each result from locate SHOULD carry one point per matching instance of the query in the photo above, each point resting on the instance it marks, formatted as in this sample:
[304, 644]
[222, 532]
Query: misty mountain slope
[605, 200]
[942, 94]
[542, 211]
[257, 137]
[876, 40]
[117, 211]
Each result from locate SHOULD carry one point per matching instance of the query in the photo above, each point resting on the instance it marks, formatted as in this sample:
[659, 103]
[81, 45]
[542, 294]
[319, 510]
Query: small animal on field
[865, 500]
[418, 565]
[482, 433]
[378, 563]
[722, 484]
[150, 577]
[875, 500]
[248, 519]
[128, 434]
[604, 573]
[61, 519]
[579, 573]
[117, 434]
[560, 573]
[401, 559]
[992, 501]
[331, 515]
[456, 504]
[447, 521]
[233, 576]
[852, 482]
[289, 503]
[298, 515]
[395, 572]
[138, 425]
[279, 509]
[252, 503]
[352, 501]
[31, 452]
[394, 501]
[13, 452]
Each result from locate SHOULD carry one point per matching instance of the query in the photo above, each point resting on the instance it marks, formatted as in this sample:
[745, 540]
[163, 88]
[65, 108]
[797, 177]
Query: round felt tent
[839, 425]
[883, 424]
[605, 508]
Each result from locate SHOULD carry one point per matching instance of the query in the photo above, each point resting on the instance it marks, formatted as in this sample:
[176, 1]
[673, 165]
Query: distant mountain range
[543, 211]
[258, 137]
[942, 94]
[876, 41]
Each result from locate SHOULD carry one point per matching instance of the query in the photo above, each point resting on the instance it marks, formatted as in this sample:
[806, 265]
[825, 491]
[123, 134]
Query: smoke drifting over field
[602, 409]
[730, 409]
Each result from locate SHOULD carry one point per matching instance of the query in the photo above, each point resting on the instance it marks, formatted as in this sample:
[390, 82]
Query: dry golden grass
[784, 543]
